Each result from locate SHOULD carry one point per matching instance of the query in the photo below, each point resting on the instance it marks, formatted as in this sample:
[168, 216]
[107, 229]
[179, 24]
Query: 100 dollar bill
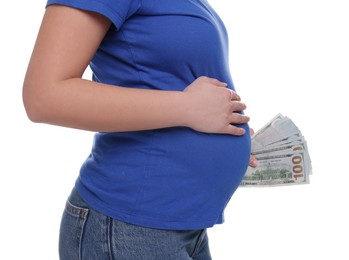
[282, 169]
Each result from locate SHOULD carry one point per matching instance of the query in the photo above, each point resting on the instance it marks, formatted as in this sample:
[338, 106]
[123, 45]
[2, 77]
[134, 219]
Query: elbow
[33, 115]
[33, 105]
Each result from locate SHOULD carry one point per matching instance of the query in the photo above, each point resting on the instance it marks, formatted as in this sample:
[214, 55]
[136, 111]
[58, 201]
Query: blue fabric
[173, 178]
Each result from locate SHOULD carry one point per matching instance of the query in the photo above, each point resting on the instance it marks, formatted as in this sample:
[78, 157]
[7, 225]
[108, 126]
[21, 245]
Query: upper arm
[67, 41]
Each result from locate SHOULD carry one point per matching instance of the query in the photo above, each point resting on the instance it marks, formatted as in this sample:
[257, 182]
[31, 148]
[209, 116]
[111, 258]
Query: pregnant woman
[172, 143]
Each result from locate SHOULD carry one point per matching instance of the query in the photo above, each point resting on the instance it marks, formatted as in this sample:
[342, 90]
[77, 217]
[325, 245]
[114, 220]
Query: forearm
[82, 104]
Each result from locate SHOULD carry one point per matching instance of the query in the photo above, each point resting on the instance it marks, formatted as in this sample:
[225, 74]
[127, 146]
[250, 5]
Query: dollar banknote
[282, 155]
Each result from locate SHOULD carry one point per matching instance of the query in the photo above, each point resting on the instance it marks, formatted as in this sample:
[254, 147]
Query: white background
[286, 56]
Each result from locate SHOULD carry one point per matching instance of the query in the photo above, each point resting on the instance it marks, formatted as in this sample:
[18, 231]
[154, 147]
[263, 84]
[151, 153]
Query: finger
[233, 95]
[251, 131]
[237, 106]
[215, 82]
[236, 118]
[233, 130]
[253, 161]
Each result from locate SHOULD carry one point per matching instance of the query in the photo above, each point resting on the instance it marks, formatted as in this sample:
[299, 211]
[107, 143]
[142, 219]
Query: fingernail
[253, 162]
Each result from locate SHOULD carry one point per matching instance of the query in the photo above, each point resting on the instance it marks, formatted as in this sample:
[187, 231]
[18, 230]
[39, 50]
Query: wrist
[184, 110]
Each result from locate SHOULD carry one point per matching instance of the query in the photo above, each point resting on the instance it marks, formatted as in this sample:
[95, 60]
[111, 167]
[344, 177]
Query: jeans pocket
[71, 231]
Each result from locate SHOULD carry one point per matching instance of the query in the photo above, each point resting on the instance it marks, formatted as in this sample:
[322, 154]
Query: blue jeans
[86, 234]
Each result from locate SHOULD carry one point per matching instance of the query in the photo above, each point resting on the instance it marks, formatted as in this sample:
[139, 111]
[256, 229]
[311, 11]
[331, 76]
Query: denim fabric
[86, 234]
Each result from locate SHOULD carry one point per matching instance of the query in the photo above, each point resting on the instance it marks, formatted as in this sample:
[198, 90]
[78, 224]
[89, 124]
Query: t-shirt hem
[144, 221]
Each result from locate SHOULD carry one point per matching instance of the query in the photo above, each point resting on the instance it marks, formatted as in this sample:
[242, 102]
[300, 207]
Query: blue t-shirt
[172, 178]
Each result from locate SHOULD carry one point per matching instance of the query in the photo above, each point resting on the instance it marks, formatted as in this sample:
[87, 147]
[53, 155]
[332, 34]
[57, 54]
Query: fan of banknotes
[282, 155]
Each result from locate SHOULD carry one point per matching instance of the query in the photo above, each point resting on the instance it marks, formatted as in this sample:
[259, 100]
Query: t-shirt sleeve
[117, 11]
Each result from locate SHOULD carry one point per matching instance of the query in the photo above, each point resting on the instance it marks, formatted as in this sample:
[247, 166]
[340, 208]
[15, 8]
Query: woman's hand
[214, 108]
[253, 161]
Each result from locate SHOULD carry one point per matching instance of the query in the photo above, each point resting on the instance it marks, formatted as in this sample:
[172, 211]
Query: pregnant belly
[173, 173]
[194, 170]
